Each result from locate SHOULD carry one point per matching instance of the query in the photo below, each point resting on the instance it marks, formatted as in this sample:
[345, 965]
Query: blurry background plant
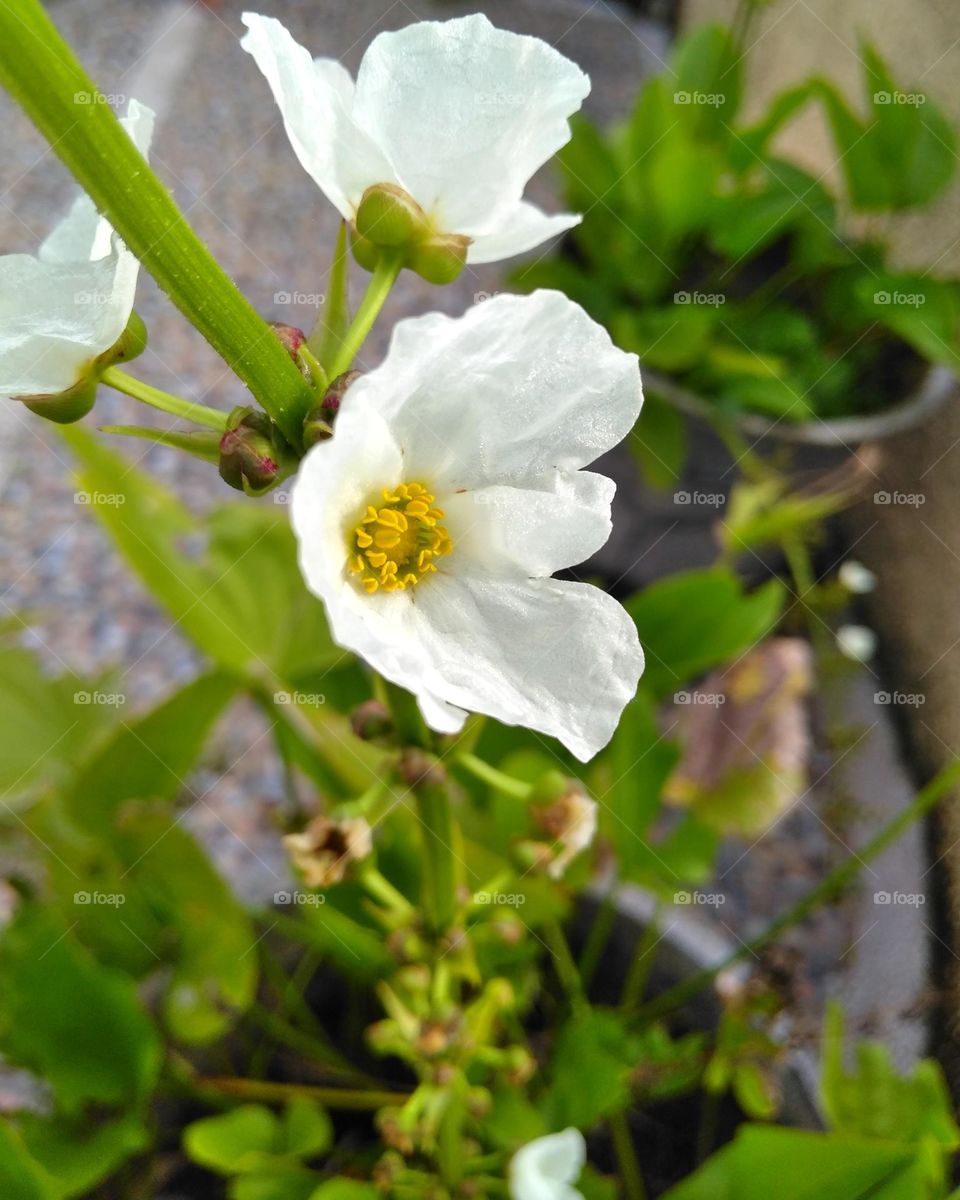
[343, 1043]
[735, 272]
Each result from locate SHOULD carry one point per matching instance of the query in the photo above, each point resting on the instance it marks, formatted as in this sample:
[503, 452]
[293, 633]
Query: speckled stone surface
[221, 148]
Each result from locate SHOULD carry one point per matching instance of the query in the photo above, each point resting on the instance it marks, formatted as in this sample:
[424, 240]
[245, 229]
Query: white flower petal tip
[458, 114]
[451, 491]
[70, 303]
[548, 1167]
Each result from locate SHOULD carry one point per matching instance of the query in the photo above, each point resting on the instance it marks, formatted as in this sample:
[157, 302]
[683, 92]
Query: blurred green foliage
[757, 285]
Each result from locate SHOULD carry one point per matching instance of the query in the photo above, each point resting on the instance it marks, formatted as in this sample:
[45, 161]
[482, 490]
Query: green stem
[343, 1099]
[636, 981]
[630, 1177]
[496, 778]
[564, 963]
[383, 891]
[384, 277]
[199, 414]
[828, 889]
[439, 866]
[42, 74]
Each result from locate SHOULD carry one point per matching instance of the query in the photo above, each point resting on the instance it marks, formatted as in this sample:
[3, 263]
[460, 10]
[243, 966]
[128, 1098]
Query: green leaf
[307, 1129]
[669, 338]
[765, 1161]
[54, 996]
[696, 620]
[201, 444]
[21, 1176]
[629, 777]
[150, 757]
[589, 1069]
[79, 1153]
[346, 1189]
[46, 724]
[291, 1183]
[233, 1142]
[875, 1101]
[707, 72]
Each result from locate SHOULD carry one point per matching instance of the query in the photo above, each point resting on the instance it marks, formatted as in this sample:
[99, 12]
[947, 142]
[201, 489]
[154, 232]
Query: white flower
[547, 1168]
[856, 642]
[485, 419]
[459, 114]
[70, 303]
[857, 578]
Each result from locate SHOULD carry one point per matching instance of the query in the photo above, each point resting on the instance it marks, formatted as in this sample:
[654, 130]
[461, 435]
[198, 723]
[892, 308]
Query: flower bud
[441, 258]
[389, 216]
[65, 407]
[372, 722]
[292, 338]
[253, 454]
[325, 850]
[318, 426]
[418, 768]
[570, 821]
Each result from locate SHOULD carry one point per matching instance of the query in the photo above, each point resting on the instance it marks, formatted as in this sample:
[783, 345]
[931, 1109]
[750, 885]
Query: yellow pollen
[396, 544]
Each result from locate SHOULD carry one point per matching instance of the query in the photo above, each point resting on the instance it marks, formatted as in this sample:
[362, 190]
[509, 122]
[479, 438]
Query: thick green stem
[42, 74]
[828, 889]
[378, 289]
[439, 864]
[199, 414]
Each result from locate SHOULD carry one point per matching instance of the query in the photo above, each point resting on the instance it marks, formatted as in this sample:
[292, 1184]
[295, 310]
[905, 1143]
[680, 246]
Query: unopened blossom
[548, 1167]
[445, 125]
[431, 522]
[326, 849]
[63, 308]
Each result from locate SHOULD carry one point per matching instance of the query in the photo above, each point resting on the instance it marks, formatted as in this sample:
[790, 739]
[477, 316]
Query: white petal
[54, 318]
[532, 531]
[516, 388]
[562, 658]
[524, 227]
[467, 113]
[315, 100]
[546, 1168]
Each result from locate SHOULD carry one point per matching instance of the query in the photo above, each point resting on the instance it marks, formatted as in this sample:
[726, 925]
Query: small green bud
[389, 216]
[65, 407]
[253, 455]
[318, 426]
[441, 258]
[550, 787]
[291, 338]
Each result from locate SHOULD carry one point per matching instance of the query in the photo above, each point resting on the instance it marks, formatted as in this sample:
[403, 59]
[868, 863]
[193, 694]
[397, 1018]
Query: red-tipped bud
[253, 454]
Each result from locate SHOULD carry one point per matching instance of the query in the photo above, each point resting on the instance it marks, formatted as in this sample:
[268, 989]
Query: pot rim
[936, 387]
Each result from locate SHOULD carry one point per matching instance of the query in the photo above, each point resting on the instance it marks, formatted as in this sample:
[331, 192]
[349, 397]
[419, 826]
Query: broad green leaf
[21, 1176]
[346, 1189]
[234, 1142]
[46, 724]
[765, 1161]
[290, 1183]
[306, 1128]
[628, 779]
[75, 1023]
[873, 1100]
[699, 619]
[80, 1153]
[589, 1069]
[707, 79]
[669, 338]
[150, 757]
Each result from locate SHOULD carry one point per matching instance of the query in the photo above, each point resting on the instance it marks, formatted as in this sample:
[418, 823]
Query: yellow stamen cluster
[397, 543]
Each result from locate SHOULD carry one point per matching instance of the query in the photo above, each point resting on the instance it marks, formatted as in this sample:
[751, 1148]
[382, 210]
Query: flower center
[396, 544]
